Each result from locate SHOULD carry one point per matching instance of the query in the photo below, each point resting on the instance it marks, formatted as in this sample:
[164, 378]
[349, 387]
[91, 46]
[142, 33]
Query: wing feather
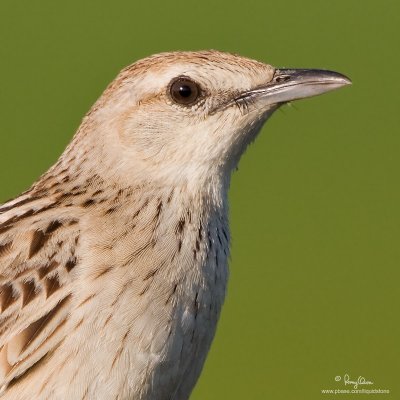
[37, 257]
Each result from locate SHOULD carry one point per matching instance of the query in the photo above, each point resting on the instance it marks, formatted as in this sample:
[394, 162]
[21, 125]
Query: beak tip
[346, 80]
[332, 77]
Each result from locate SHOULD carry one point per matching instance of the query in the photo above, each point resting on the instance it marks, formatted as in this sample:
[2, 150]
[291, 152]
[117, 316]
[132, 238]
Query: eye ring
[184, 91]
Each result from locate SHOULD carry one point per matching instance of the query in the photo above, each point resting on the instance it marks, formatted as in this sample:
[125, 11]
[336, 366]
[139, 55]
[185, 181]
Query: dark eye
[184, 91]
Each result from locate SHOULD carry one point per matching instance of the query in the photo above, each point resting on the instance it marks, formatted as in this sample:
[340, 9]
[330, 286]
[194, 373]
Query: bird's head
[185, 118]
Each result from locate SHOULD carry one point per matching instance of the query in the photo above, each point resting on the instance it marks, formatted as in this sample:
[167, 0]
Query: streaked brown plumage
[114, 264]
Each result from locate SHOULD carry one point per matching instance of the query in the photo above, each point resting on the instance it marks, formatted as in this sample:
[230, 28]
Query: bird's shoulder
[38, 243]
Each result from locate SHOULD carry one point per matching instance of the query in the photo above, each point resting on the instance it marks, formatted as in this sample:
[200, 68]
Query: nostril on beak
[282, 78]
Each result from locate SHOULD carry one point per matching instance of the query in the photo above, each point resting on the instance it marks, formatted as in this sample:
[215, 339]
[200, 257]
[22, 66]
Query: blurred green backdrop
[315, 205]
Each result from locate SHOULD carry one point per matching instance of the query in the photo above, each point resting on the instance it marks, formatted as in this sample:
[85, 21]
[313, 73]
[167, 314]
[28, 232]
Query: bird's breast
[162, 277]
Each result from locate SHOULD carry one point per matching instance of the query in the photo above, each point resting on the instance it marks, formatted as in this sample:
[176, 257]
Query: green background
[315, 205]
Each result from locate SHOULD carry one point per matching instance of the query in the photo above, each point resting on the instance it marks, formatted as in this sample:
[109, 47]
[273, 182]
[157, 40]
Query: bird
[114, 263]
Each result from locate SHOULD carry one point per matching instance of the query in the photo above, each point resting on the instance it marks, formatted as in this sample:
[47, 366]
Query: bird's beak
[293, 84]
